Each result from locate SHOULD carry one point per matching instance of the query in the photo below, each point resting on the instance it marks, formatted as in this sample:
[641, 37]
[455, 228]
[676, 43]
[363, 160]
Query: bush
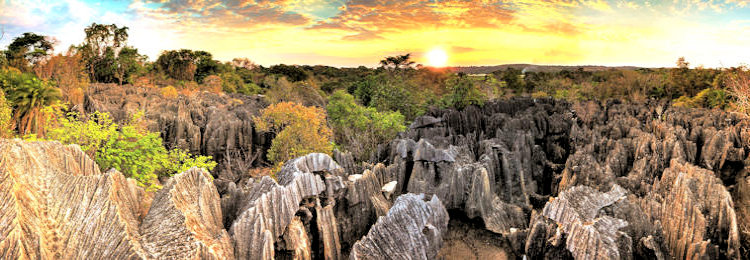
[299, 130]
[707, 98]
[463, 93]
[132, 150]
[169, 92]
[360, 129]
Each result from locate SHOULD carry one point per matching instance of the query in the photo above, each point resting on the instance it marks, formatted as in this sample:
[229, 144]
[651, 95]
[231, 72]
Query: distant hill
[534, 68]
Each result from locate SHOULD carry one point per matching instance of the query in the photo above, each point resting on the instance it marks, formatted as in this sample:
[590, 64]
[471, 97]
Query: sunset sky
[358, 32]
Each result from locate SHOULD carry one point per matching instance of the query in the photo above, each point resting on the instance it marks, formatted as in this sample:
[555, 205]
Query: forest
[310, 108]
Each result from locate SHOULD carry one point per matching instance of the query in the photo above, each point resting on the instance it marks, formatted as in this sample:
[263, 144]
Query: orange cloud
[368, 19]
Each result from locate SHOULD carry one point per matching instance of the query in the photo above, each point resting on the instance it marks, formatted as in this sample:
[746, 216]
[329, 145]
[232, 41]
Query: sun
[437, 57]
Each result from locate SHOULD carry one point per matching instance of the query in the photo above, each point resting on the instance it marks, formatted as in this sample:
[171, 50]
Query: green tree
[28, 50]
[28, 95]
[128, 63]
[463, 93]
[360, 129]
[101, 49]
[293, 73]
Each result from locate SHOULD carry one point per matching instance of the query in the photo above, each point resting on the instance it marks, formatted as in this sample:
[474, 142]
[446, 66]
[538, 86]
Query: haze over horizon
[359, 32]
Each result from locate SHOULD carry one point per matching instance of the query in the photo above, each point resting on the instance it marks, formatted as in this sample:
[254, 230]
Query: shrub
[169, 92]
[360, 129]
[463, 93]
[299, 130]
[134, 151]
[707, 98]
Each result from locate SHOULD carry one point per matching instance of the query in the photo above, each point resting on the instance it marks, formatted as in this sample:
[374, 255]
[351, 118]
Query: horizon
[649, 34]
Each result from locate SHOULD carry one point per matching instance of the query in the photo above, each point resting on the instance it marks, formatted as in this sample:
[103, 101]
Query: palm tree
[29, 98]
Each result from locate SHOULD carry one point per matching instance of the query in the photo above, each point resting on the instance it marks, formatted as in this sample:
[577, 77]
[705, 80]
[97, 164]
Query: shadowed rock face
[643, 171]
[209, 124]
[552, 180]
[412, 229]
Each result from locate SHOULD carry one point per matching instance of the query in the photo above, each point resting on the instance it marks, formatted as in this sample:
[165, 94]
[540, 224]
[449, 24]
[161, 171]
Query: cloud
[227, 15]
[368, 19]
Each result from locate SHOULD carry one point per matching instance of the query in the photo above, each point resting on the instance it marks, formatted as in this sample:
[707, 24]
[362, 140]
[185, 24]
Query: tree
[244, 63]
[28, 50]
[463, 93]
[101, 49]
[29, 95]
[205, 65]
[293, 73]
[361, 129]
[299, 130]
[179, 65]
[129, 62]
[397, 62]
[68, 72]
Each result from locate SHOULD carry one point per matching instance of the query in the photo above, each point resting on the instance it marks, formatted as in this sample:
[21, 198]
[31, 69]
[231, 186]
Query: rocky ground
[535, 178]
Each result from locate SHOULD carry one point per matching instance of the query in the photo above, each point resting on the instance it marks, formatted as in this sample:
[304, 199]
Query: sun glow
[437, 57]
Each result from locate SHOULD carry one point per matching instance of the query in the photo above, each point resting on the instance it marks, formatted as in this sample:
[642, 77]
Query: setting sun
[437, 58]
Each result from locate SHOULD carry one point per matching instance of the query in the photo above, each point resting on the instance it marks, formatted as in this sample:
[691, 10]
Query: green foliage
[707, 98]
[6, 113]
[27, 50]
[188, 65]
[293, 73]
[391, 93]
[360, 129]
[299, 130]
[28, 96]
[463, 93]
[106, 54]
[137, 153]
[232, 82]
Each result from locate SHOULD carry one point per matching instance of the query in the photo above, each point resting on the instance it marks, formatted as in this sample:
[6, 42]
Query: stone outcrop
[589, 234]
[412, 229]
[204, 123]
[501, 164]
[542, 178]
[50, 193]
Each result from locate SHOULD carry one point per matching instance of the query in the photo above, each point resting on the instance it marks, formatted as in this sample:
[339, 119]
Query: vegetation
[129, 148]
[360, 129]
[364, 106]
[299, 130]
[28, 95]
[463, 93]
[6, 113]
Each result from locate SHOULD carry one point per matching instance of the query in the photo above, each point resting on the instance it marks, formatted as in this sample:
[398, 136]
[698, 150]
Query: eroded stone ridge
[412, 229]
[589, 234]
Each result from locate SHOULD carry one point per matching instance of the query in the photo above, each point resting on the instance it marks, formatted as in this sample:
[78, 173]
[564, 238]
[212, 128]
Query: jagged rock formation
[412, 229]
[590, 236]
[205, 123]
[548, 179]
[500, 165]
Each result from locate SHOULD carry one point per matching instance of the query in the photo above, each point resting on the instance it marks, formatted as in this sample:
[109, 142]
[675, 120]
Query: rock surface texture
[539, 178]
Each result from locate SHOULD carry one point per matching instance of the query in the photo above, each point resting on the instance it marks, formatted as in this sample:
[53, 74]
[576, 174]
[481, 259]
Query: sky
[361, 32]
